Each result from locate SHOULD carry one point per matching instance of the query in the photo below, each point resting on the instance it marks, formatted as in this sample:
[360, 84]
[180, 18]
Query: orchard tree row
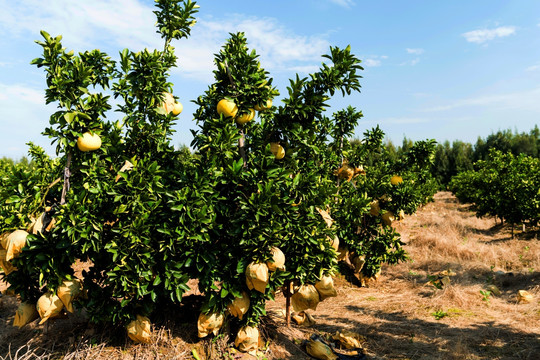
[272, 197]
[504, 186]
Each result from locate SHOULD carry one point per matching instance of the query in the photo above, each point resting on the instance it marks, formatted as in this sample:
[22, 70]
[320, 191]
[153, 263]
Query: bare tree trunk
[288, 294]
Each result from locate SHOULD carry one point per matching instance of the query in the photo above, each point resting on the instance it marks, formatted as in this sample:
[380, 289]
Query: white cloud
[118, 24]
[344, 3]
[484, 35]
[533, 68]
[20, 93]
[372, 62]
[401, 120]
[415, 51]
[279, 48]
[523, 100]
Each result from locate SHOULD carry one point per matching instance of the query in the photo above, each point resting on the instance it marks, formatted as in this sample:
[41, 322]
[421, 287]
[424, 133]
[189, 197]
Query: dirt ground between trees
[401, 316]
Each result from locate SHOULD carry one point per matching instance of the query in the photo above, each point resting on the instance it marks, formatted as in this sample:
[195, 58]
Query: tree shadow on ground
[398, 336]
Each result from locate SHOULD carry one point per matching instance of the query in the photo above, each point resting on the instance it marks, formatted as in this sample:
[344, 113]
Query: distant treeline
[453, 158]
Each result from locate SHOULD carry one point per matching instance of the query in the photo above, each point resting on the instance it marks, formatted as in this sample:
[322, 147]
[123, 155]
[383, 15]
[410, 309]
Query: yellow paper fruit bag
[306, 297]
[349, 339]
[247, 339]
[49, 306]
[303, 318]
[15, 243]
[325, 287]
[326, 217]
[209, 323]
[278, 260]
[375, 208]
[239, 306]
[257, 276]
[139, 330]
[68, 291]
[320, 351]
[26, 313]
[524, 296]
[6, 265]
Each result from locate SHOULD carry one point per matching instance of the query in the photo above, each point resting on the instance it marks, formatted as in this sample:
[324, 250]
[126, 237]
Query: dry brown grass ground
[401, 316]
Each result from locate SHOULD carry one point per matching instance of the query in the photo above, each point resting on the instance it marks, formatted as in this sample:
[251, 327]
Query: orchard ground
[401, 316]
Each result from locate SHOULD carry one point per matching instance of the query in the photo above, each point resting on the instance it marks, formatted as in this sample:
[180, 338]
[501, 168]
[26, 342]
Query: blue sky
[443, 70]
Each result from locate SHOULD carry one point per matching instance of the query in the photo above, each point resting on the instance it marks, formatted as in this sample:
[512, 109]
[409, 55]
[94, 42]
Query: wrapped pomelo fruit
[15, 243]
[6, 266]
[524, 296]
[343, 253]
[349, 339]
[326, 216]
[277, 150]
[3, 240]
[277, 261]
[375, 208]
[49, 306]
[209, 323]
[334, 242]
[303, 318]
[26, 313]
[68, 291]
[358, 262]
[139, 330]
[325, 287]
[257, 276]
[168, 102]
[306, 297]
[247, 339]
[319, 350]
[387, 218]
[239, 306]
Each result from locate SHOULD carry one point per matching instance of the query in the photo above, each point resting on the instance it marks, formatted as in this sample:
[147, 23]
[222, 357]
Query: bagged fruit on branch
[49, 306]
[239, 306]
[26, 313]
[277, 261]
[68, 291]
[334, 242]
[247, 339]
[375, 208]
[387, 218]
[325, 287]
[326, 216]
[358, 262]
[343, 253]
[257, 276]
[139, 330]
[306, 297]
[209, 323]
[14, 244]
[303, 318]
[6, 266]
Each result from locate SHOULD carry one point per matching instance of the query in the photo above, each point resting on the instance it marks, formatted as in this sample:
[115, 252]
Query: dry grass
[402, 316]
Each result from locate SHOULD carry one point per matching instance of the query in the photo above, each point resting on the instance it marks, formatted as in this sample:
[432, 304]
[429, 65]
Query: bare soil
[400, 316]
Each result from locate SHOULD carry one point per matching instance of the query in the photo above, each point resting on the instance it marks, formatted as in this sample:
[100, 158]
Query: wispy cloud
[401, 120]
[533, 68]
[20, 93]
[417, 51]
[523, 100]
[484, 35]
[111, 24]
[373, 60]
[344, 3]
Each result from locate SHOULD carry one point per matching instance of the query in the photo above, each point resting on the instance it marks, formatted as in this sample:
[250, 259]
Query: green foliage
[503, 185]
[145, 218]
